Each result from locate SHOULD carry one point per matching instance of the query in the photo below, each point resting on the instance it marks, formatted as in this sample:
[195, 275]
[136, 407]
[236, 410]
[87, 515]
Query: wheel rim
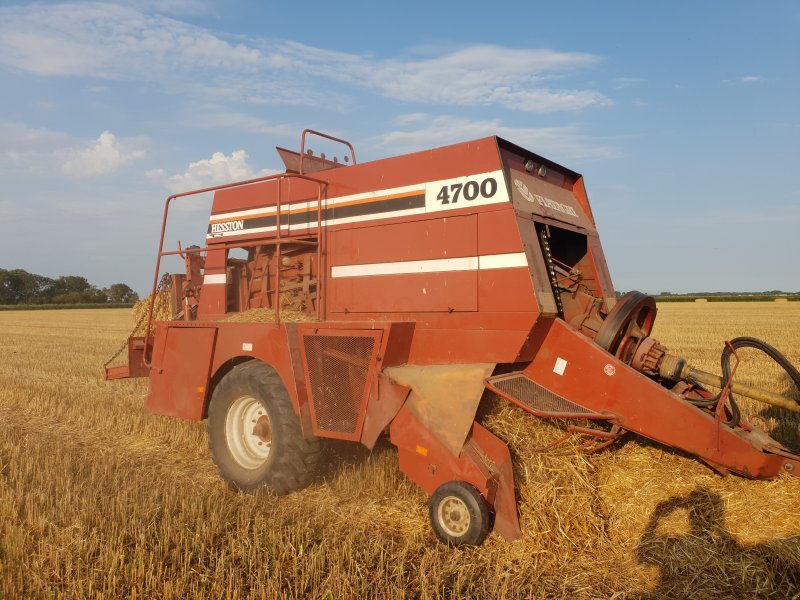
[453, 516]
[248, 432]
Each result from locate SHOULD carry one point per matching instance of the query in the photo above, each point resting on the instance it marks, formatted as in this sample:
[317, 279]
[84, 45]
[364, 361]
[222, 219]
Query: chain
[551, 271]
[163, 284]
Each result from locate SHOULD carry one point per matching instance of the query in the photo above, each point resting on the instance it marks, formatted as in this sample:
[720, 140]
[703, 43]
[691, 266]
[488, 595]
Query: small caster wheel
[459, 515]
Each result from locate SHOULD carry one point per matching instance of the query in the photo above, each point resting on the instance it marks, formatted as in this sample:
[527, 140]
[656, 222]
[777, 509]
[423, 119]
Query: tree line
[17, 286]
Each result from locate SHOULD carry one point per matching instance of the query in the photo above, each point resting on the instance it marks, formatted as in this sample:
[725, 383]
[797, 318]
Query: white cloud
[418, 131]
[111, 41]
[746, 79]
[122, 42]
[44, 153]
[473, 76]
[106, 155]
[217, 170]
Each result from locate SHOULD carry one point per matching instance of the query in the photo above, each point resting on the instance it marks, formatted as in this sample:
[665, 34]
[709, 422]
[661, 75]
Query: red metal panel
[478, 156]
[214, 296]
[178, 387]
[580, 193]
[266, 342]
[457, 346]
[386, 294]
[506, 290]
[506, 521]
[572, 366]
[498, 232]
[508, 321]
[385, 400]
[159, 342]
[445, 237]
[427, 461]
[390, 248]
[461, 337]
[503, 289]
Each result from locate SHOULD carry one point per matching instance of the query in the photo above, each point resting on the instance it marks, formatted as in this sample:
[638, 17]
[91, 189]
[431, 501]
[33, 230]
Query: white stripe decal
[312, 204]
[410, 267]
[216, 278]
[429, 189]
[503, 261]
[313, 224]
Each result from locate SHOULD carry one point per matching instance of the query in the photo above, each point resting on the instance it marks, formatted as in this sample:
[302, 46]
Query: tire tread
[294, 461]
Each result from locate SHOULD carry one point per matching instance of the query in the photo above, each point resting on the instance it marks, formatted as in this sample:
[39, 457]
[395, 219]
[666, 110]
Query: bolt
[789, 467]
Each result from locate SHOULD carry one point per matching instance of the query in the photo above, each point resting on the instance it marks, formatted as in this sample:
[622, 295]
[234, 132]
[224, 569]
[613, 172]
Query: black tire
[274, 455]
[459, 515]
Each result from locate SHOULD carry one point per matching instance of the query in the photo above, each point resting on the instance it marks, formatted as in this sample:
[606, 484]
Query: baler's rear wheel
[459, 515]
[254, 435]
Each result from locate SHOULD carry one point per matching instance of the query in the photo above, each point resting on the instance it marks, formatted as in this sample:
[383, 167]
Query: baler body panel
[443, 238]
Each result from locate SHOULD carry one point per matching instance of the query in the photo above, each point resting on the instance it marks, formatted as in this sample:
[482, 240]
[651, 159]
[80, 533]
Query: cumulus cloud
[114, 41]
[217, 170]
[43, 153]
[417, 131]
[106, 155]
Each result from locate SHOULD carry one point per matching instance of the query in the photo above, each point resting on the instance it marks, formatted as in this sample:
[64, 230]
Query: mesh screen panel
[540, 399]
[338, 367]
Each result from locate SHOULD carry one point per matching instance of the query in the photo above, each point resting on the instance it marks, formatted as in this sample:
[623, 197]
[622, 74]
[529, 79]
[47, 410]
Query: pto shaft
[676, 368]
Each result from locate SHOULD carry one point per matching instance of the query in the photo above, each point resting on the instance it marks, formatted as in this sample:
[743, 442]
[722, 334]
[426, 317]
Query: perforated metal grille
[536, 397]
[338, 367]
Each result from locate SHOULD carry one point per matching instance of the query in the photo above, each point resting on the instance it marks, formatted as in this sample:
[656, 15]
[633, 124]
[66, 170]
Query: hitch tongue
[677, 369]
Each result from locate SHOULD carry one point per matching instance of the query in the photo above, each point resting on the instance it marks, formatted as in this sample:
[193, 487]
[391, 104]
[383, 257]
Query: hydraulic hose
[734, 414]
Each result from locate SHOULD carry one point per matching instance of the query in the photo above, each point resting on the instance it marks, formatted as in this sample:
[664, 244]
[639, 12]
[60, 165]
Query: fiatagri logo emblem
[543, 200]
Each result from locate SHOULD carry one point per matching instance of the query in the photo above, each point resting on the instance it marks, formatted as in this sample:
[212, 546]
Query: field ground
[100, 500]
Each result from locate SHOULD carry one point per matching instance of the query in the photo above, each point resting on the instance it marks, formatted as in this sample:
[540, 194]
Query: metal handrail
[161, 253]
[324, 135]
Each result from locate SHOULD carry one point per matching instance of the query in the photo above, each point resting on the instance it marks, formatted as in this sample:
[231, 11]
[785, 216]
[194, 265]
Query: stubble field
[99, 499]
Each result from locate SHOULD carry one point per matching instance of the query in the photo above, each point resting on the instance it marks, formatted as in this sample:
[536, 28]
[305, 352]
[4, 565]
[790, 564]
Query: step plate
[538, 400]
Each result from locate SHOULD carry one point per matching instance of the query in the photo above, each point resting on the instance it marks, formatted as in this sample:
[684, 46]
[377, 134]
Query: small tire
[254, 435]
[459, 514]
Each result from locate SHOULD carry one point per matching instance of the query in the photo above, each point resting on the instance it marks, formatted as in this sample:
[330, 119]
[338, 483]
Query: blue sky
[682, 116]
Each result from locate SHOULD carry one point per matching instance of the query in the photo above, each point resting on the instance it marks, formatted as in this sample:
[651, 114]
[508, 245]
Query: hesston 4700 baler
[420, 282]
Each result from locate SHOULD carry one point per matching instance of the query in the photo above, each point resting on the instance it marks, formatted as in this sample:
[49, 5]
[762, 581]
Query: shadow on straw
[708, 561]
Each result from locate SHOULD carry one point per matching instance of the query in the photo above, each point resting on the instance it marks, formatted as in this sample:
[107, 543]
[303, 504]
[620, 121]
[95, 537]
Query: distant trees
[121, 292]
[17, 286]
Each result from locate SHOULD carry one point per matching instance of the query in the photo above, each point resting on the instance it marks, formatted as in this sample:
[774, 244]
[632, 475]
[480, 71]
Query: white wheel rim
[453, 516]
[248, 432]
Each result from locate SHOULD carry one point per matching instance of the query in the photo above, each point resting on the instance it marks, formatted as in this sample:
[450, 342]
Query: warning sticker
[560, 366]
